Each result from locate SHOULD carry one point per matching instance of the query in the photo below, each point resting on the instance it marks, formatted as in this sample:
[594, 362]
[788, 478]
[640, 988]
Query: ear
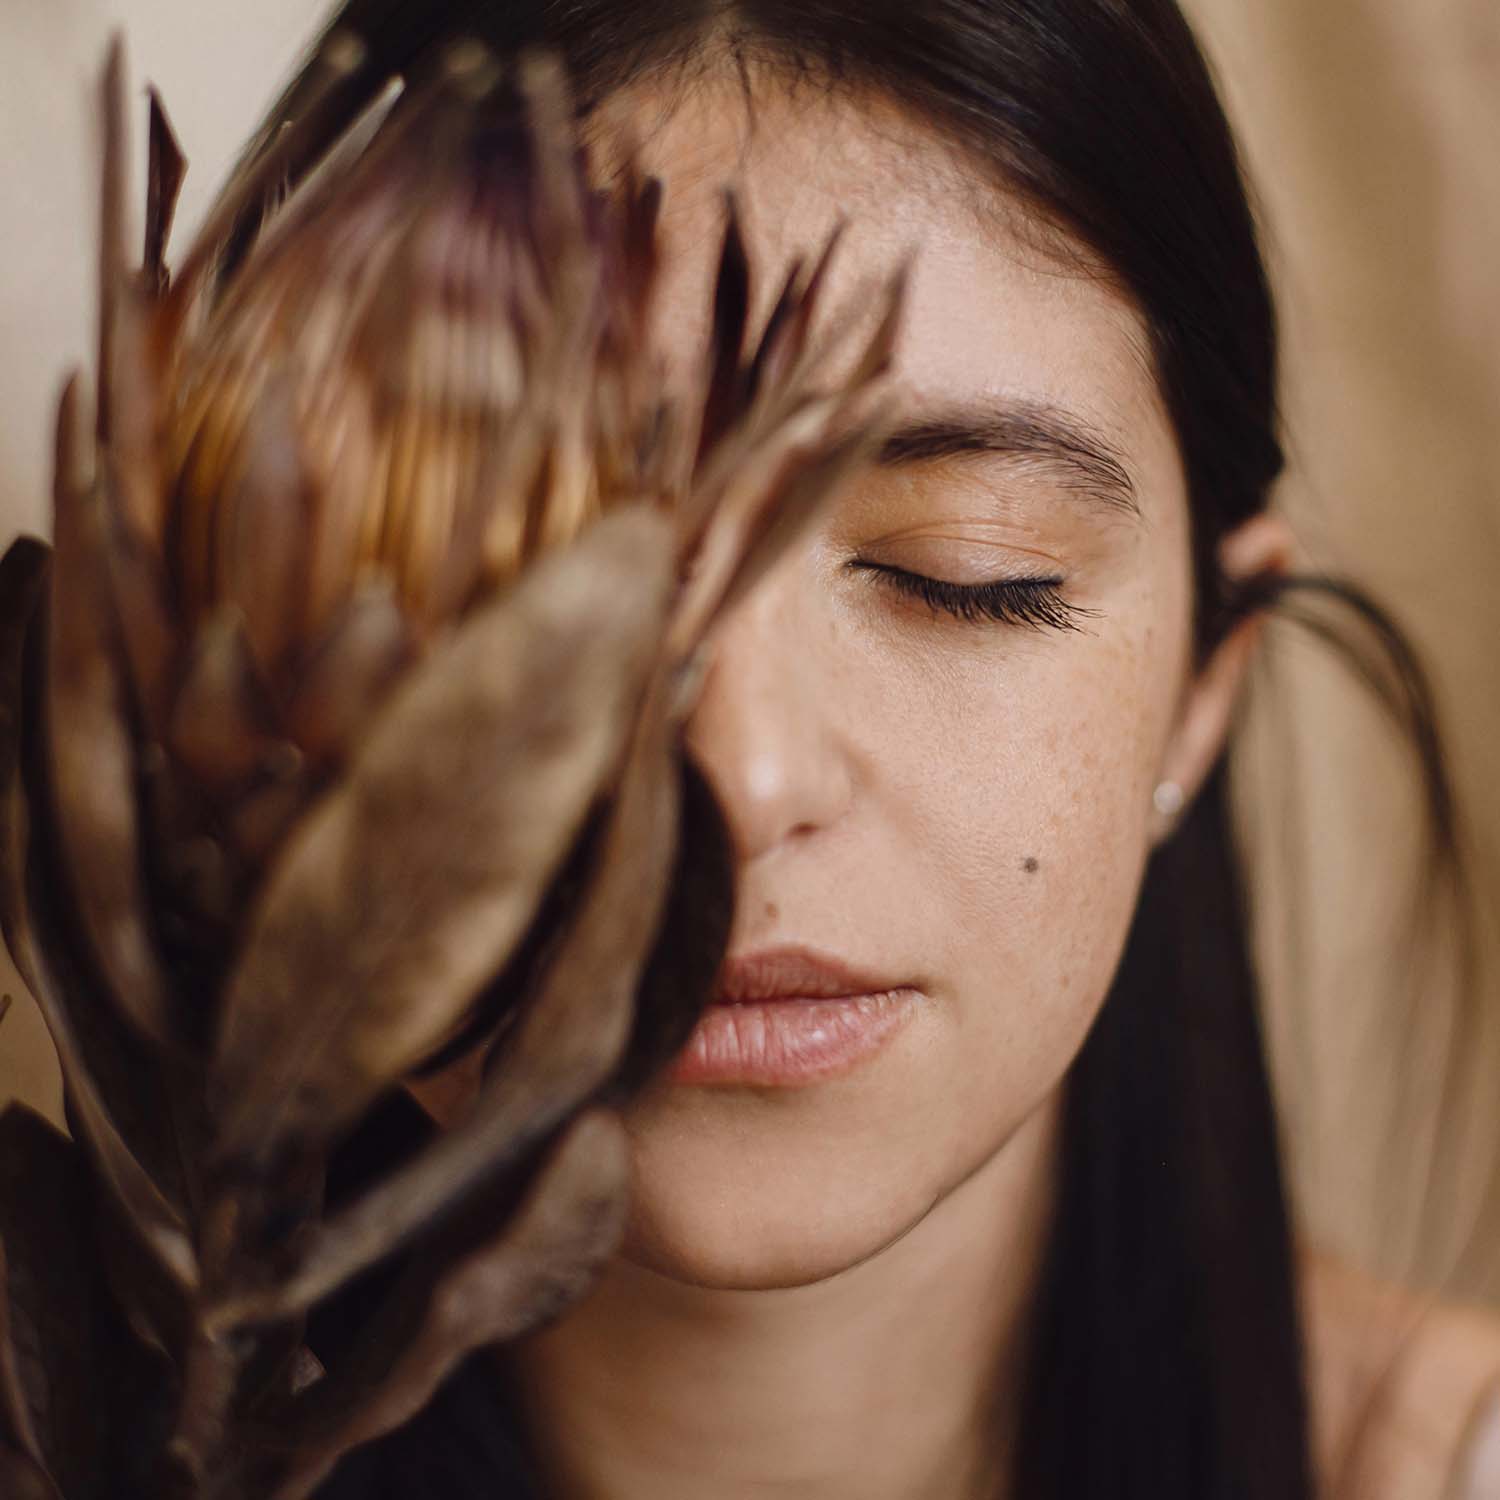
[1260, 546]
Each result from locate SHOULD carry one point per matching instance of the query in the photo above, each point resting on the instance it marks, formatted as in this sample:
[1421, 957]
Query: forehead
[993, 313]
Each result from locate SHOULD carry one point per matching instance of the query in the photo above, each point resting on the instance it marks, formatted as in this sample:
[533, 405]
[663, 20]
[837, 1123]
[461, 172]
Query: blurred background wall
[1372, 134]
[1372, 131]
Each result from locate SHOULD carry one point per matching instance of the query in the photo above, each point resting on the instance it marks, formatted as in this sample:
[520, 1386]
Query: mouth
[784, 1017]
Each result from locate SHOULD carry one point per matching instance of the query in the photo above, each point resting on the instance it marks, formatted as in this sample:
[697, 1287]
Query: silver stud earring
[1168, 799]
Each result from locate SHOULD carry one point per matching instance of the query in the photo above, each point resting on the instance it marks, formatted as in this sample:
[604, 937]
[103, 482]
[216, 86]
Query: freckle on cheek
[1032, 865]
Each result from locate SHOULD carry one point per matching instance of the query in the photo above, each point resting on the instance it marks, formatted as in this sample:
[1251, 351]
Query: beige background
[1372, 129]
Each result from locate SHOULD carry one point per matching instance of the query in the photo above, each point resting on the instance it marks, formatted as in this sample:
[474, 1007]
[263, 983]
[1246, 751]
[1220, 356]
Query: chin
[737, 1191]
[783, 1250]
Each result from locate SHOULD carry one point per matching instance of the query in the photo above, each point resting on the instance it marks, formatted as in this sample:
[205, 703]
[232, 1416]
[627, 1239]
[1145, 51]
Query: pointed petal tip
[73, 454]
[344, 52]
[471, 68]
[113, 176]
[69, 397]
[112, 102]
[734, 223]
[544, 78]
[165, 173]
[114, 57]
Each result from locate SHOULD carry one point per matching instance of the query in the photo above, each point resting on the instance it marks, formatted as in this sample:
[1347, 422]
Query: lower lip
[790, 1040]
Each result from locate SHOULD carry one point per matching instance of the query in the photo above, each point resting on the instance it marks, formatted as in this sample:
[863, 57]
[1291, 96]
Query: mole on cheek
[1032, 865]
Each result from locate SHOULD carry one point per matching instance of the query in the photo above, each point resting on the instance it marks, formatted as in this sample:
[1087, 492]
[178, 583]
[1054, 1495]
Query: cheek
[970, 754]
[1016, 783]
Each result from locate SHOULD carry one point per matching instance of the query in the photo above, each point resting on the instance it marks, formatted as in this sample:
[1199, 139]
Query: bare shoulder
[1405, 1388]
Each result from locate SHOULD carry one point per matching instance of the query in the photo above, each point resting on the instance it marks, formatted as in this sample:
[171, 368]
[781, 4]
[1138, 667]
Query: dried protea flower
[343, 740]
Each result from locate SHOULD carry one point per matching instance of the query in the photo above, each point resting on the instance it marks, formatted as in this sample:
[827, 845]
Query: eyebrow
[1054, 439]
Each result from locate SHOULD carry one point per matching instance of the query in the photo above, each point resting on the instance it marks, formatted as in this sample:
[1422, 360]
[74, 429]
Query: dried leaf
[263, 815]
[324, 175]
[405, 890]
[349, 673]
[23, 575]
[21, 1479]
[106, 1051]
[112, 249]
[726, 372]
[131, 465]
[691, 942]
[503, 1000]
[166, 169]
[876, 360]
[540, 1261]
[222, 727]
[147, 631]
[744, 479]
[558, 206]
[350, 458]
[774, 336]
[780, 366]
[785, 520]
[79, 1376]
[264, 515]
[210, 1368]
[788, 360]
[148, 1211]
[91, 760]
[17, 1425]
[766, 484]
[156, 1221]
[335, 86]
[561, 1048]
[150, 1302]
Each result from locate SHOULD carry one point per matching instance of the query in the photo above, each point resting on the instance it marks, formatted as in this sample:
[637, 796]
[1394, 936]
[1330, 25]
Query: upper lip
[777, 973]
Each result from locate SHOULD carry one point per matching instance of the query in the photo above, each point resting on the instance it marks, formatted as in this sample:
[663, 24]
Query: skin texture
[823, 1289]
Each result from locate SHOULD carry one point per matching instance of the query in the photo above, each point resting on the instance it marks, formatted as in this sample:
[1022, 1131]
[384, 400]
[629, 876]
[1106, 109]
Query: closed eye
[1032, 602]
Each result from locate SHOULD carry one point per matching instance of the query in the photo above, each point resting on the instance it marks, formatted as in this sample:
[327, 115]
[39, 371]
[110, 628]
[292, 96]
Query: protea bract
[343, 740]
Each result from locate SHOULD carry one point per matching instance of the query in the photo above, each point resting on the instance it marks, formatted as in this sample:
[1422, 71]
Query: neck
[889, 1381]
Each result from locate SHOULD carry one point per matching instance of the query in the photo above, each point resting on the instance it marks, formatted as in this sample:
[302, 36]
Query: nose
[764, 729]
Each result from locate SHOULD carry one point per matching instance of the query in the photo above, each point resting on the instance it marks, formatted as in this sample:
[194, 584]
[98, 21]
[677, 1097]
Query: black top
[462, 1446]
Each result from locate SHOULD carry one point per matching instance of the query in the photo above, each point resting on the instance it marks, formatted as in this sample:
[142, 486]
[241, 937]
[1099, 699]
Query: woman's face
[962, 805]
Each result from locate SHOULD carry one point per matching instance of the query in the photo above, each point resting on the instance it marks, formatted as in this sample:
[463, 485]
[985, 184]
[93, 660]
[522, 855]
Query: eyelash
[1036, 603]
